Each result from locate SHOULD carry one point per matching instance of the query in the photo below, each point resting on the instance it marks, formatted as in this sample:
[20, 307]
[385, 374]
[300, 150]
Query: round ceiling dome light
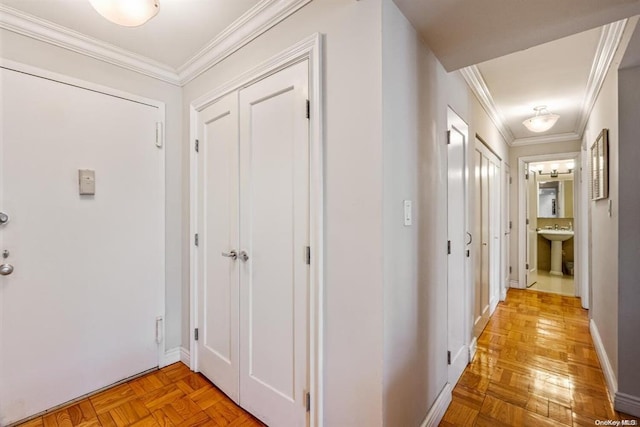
[128, 13]
[542, 121]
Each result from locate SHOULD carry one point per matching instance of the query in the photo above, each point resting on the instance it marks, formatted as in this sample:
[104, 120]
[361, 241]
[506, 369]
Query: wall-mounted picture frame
[600, 166]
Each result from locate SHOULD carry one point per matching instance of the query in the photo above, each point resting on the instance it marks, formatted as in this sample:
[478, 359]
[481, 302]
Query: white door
[531, 266]
[218, 271]
[457, 260]
[495, 242]
[506, 269]
[79, 311]
[274, 233]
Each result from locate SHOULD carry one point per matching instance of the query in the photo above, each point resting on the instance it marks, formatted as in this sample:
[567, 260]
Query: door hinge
[468, 253]
[526, 266]
[510, 225]
[159, 134]
[526, 175]
[448, 137]
[510, 180]
[195, 334]
[510, 270]
[527, 223]
[448, 358]
[197, 146]
[307, 401]
[307, 255]
[196, 239]
[448, 247]
[308, 109]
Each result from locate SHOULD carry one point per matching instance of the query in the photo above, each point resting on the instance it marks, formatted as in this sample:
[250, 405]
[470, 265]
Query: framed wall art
[600, 166]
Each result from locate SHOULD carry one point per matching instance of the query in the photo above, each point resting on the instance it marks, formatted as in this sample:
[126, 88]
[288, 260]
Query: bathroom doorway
[549, 242]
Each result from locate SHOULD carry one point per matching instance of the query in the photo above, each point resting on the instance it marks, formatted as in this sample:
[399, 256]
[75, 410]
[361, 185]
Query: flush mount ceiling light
[128, 13]
[542, 121]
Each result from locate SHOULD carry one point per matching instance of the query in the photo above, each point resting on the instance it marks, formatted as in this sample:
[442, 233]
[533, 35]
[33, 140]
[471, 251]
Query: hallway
[535, 365]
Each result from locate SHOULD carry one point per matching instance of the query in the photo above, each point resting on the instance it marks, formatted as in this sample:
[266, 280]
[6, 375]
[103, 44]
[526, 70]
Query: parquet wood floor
[535, 366]
[170, 397]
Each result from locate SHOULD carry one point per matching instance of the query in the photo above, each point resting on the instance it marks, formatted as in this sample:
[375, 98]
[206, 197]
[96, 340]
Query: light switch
[87, 182]
[407, 213]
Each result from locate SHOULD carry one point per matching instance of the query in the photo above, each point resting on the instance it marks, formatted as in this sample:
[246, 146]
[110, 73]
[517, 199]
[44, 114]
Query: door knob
[6, 269]
[4, 218]
[231, 254]
[244, 256]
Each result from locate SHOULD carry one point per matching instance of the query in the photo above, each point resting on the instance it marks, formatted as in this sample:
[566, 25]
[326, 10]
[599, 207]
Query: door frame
[522, 214]
[309, 49]
[163, 358]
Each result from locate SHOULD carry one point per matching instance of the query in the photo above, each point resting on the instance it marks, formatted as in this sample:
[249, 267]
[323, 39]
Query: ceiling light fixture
[128, 13]
[542, 121]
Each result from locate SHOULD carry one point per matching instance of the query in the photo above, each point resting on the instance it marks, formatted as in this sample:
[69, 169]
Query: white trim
[607, 46]
[545, 139]
[185, 357]
[308, 49]
[513, 284]
[439, 407]
[607, 369]
[257, 20]
[31, 26]
[473, 347]
[603, 58]
[61, 78]
[479, 87]
[628, 404]
[170, 357]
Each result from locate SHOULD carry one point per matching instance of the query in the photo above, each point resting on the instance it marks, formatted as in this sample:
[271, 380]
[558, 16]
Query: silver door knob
[231, 254]
[6, 269]
[4, 218]
[244, 256]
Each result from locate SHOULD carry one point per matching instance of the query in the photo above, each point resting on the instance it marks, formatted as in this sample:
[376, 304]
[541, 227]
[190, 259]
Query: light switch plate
[408, 215]
[87, 182]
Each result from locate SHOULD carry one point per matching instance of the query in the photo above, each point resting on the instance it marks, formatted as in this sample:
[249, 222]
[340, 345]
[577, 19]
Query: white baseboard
[628, 404]
[473, 346]
[607, 369]
[438, 408]
[170, 356]
[514, 284]
[185, 357]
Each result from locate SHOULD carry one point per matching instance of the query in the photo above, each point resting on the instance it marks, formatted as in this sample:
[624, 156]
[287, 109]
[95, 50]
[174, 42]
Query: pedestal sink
[556, 237]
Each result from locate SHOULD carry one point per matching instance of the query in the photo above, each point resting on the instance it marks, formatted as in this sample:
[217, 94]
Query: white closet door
[79, 311]
[274, 233]
[217, 281]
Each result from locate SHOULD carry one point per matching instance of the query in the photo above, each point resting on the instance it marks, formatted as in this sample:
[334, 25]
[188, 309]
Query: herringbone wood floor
[172, 396]
[535, 366]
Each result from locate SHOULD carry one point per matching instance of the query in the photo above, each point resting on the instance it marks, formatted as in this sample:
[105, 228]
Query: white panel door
[531, 266]
[217, 271]
[495, 245]
[274, 234]
[78, 313]
[457, 290]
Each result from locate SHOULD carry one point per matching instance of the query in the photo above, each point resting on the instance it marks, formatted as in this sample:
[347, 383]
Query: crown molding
[250, 25]
[254, 22]
[28, 25]
[607, 46]
[546, 139]
[479, 87]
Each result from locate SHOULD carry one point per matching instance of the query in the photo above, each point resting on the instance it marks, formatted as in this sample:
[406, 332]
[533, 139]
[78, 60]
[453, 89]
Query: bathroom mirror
[555, 198]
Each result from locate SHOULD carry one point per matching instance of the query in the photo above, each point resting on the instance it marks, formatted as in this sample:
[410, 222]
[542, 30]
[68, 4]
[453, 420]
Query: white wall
[629, 236]
[353, 197]
[604, 228]
[39, 54]
[416, 91]
[514, 154]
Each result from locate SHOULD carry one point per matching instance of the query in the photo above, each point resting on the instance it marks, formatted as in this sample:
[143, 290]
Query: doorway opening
[550, 241]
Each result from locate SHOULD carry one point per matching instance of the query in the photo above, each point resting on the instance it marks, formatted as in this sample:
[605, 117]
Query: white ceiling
[467, 32]
[180, 30]
[554, 74]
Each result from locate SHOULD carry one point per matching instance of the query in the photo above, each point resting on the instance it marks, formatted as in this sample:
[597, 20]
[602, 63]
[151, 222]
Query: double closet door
[252, 274]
